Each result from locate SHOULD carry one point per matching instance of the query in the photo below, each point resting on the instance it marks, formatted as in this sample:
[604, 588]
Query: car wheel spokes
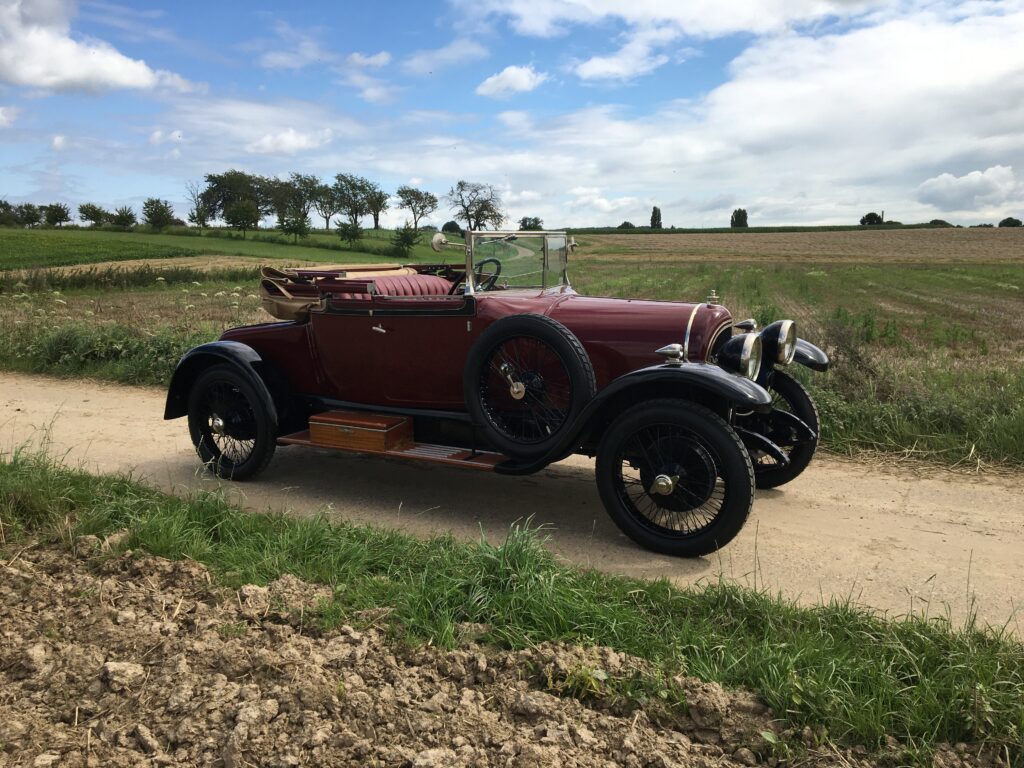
[669, 480]
[230, 423]
[526, 389]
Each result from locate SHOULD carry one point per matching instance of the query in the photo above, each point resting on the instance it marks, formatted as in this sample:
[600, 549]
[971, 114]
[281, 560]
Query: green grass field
[31, 249]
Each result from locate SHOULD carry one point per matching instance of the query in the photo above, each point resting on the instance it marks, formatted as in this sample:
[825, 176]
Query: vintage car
[495, 363]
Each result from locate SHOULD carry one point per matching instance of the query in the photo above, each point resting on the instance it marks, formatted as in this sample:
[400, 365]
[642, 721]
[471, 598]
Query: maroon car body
[682, 406]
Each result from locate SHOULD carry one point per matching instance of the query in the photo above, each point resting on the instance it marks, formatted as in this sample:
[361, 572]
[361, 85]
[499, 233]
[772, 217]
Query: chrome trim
[689, 327]
[713, 298]
[748, 350]
[714, 337]
[664, 485]
[673, 354]
[787, 328]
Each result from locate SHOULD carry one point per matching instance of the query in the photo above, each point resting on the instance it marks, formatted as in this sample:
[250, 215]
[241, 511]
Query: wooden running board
[390, 436]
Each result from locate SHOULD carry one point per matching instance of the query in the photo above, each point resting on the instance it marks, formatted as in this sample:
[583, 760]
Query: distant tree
[57, 214]
[350, 191]
[1010, 221]
[982, 226]
[224, 190]
[294, 223]
[28, 215]
[871, 219]
[940, 223]
[531, 224]
[350, 232]
[479, 205]
[419, 202]
[199, 212]
[325, 203]
[243, 215]
[627, 225]
[93, 214]
[656, 218]
[376, 202]
[739, 218]
[7, 216]
[305, 189]
[404, 238]
[452, 228]
[124, 217]
[157, 213]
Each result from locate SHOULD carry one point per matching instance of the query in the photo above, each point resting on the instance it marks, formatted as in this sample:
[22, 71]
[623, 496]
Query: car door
[350, 346]
[426, 340]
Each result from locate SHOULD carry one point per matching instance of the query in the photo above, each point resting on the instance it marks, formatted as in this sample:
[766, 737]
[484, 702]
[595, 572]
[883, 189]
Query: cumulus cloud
[458, 51]
[58, 142]
[636, 57]
[511, 80]
[160, 136]
[8, 116]
[973, 190]
[289, 141]
[38, 51]
[379, 59]
[294, 49]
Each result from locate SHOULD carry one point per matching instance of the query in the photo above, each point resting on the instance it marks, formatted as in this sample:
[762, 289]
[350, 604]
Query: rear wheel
[527, 378]
[230, 427]
[675, 478]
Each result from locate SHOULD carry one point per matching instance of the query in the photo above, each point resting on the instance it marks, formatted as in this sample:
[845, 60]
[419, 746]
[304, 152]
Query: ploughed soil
[131, 660]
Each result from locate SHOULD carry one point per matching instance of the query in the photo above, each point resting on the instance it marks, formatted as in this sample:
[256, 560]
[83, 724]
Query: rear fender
[702, 383]
[244, 359]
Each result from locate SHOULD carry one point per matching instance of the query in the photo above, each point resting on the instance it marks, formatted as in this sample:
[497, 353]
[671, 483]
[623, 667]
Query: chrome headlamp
[742, 354]
[779, 341]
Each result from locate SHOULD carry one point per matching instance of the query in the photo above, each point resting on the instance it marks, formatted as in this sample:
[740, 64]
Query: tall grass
[861, 676]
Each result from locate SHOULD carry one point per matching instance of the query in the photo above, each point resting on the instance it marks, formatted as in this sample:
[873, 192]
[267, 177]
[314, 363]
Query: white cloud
[992, 186]
[58, 142]
[299, 49]
[636, 57]
[38, 51]
[7, 116]
[160, 136]
[459, 51]
[289, 141]
[511, 80]
[380, 59]
[371, 89]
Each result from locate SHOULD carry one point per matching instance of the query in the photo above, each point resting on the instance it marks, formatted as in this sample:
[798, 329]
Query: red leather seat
[411, 285]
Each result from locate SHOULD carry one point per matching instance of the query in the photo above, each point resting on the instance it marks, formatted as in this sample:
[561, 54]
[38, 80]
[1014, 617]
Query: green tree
[350, 191]
[199, 212]
[350, 232]
[404, 238]
[224, 190]
[376, 202]
[8, 218]
[294, 223]
[92, 213]
[325, 203]
[656, 218]
[57, 214]
[28, 215]
[124, 217]
[479, 205]
[157, 213]
[419, 202]
[1010, 221]
[453, 228]
[531, 224]
[627, 225]
[738, 218]
[871, 219]
[243, 215]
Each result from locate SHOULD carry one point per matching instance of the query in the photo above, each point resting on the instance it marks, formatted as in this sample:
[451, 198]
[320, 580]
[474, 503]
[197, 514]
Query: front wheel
[675, 478]
[232, 430]
[788, 396]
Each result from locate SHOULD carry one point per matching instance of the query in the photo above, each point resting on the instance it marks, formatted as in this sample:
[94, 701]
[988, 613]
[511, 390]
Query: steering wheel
[478, 271]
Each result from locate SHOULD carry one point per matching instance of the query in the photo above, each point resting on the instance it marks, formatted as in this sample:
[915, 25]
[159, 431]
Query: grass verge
[861, 676]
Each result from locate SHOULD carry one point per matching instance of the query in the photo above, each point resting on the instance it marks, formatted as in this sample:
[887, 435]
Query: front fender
[732, 389]
[811, 356]
[241, 357]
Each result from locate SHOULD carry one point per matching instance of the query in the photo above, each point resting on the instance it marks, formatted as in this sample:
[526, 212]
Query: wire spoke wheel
[526, 389]
[790, 397]
[231, 429]
[675, 477]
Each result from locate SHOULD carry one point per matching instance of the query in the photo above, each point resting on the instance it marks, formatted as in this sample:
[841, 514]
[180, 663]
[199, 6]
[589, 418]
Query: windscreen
[526, 261]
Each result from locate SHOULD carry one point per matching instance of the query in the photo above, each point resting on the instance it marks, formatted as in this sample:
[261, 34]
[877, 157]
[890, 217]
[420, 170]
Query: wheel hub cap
[217, 425]
[664, 485]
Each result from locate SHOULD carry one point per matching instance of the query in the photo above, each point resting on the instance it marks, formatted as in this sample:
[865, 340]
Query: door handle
[380, 329]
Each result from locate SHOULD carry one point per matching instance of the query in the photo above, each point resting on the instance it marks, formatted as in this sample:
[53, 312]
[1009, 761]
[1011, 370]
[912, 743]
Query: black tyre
[675, 477]
[788, 395]
[526, 380]
[231, 428]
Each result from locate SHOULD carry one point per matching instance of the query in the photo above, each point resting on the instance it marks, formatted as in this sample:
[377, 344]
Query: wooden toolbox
[360, 431]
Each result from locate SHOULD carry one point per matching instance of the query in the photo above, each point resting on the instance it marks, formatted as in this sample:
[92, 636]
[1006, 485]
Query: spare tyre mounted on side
[526, 380]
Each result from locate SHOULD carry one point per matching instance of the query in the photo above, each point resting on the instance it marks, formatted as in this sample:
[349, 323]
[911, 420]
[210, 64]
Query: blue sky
[578, 111]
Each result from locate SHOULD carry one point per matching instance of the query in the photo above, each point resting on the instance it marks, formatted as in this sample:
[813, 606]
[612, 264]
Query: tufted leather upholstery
[411, 285]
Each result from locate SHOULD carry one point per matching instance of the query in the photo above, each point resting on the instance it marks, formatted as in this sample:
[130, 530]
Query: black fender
[243, 358]
[736, 391]
[811, 356]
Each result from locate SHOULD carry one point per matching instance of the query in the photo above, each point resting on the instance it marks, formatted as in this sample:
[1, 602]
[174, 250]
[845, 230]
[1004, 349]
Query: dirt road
[895, 541]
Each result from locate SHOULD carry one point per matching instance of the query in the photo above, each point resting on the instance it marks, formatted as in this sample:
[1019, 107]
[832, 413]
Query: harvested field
[868, 246]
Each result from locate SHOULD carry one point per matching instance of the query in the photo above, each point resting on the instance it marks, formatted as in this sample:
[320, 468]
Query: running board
[384, 435]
